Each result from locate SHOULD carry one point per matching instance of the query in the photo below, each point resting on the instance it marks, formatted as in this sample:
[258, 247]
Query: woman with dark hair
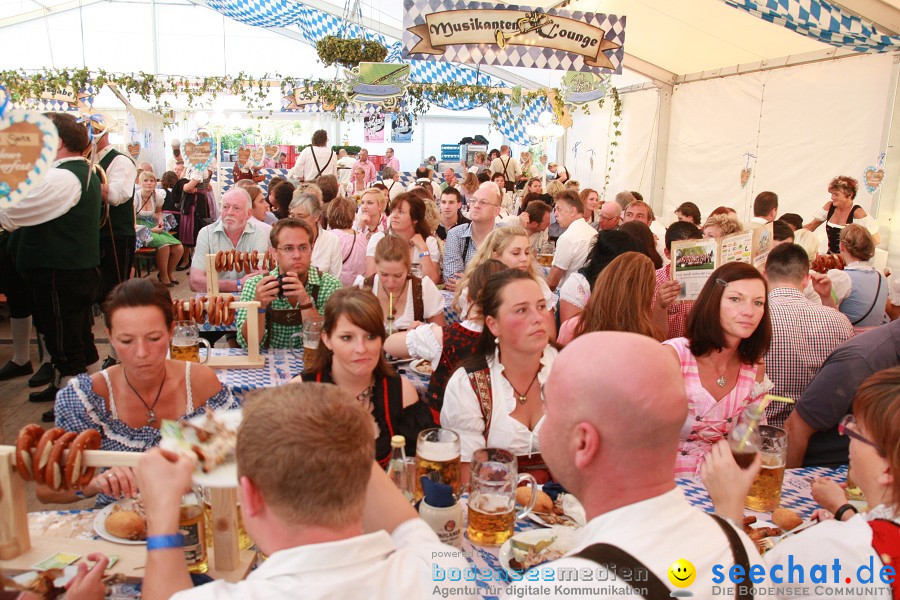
[446, 346]
[643, 233]
[408, 222]
[506, 376]
[351, 357]
[340, 213]
[688, 211]
[622, 300]
[721, 358]
[280, 198]
[852, 538]
[127, 402]
[841, 211]
[574, 293]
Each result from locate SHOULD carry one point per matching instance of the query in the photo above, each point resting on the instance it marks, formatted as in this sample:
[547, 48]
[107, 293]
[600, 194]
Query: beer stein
[310, 336]
[492, 496]
[765, 493]
[186, 342]
[438, 458]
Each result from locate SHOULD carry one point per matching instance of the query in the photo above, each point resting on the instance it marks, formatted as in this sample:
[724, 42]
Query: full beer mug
[765, 493]
[438, 458]
[186, 342]
[310, 335]
[492, 496]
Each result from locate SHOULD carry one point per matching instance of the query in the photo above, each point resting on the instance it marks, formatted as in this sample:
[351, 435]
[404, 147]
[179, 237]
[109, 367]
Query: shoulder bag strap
[606, 555]
[418, 304]
[874, 301]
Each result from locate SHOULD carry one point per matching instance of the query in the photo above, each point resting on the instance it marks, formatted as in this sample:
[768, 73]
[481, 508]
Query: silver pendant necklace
[151, 410]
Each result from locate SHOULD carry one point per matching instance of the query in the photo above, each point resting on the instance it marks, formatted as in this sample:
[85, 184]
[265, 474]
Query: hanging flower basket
[350, 52]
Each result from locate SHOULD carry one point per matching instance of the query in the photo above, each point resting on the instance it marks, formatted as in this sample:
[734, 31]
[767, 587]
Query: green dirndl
[157, 240]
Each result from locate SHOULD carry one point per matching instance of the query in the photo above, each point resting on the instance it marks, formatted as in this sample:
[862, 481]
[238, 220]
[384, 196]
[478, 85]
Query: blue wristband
[239, 285]
[165, 542]
[261, 311]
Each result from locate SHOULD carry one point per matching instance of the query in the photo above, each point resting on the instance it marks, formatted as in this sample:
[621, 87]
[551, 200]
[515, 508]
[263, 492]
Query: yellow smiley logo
[682, 573]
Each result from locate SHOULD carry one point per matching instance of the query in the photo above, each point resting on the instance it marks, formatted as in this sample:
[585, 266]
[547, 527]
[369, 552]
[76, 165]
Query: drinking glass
[492, 496]
[186, 343]
[438, 458]
[765, 493]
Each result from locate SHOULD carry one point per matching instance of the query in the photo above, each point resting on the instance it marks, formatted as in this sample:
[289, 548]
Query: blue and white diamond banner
[512, 36]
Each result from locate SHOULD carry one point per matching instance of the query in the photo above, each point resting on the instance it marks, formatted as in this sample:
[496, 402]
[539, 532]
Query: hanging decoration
[199, 151]
[377, 83]
[581, 88]
[349, 53]
[134, 144]
[512, 36]
[747, 170]
[874, 175]
[272, 152]
[28, 142]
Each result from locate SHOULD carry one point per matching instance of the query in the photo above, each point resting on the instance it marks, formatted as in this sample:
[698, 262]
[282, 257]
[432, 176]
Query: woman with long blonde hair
[622, 301]
[511, 246]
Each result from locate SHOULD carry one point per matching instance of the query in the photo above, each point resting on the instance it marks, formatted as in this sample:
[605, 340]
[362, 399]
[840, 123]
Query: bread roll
[126, 524]
[786, 518]
[542, 504]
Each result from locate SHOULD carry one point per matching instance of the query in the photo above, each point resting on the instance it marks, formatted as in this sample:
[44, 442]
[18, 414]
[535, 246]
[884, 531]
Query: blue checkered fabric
[821, 21]
[85, 101]
[512, 121]
[407, 178]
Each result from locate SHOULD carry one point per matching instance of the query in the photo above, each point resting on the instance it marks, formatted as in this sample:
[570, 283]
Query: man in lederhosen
[56, 244]
[315, 160]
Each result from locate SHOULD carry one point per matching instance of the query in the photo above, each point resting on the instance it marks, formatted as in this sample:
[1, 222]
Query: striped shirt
[803, 335]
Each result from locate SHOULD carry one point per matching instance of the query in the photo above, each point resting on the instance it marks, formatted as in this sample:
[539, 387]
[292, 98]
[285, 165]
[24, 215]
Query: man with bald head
[612, 441]
[610, 216]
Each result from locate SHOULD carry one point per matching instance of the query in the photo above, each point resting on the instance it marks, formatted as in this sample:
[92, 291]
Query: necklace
[151, 412]
[524, 395]
[721, 380]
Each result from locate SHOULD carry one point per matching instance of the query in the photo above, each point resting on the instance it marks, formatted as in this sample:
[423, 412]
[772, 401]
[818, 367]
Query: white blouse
[462, 412]
[142, 210]
[432, 301]
[575, 290]
[423, 342]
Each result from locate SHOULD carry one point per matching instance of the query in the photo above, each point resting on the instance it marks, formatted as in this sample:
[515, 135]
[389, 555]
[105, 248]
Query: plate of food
[565, 511]
[422, 366]
[210, 440]
[122, 522]
[785, 522]
[529, 549]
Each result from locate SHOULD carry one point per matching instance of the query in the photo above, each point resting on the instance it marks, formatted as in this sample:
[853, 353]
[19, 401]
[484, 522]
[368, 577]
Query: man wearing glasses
[813, 426]
[291, 292]
[463, 240]
[610, 216]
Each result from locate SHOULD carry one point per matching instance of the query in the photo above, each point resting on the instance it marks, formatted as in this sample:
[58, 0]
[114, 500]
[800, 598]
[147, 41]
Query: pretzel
[220, 309]
[26, 442]
[198, 309]
[182, 311]
[77, 475]
[220, 260]
[213, 311]
[254, 260]
[42, 452]
[228, 319]
[229, 260]
[245, 261]
[53, 474]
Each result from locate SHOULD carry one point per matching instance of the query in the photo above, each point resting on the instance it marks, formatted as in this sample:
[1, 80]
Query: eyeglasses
[480, 202]
[297, 215]
[302, 249]
[847, 427]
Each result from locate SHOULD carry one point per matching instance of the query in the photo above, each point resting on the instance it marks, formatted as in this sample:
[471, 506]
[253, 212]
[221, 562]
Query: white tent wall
[805, 124]
[635, 154]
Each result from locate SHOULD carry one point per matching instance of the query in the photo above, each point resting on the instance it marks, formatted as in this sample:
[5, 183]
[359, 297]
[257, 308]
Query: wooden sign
[199, 153]
[28, 143]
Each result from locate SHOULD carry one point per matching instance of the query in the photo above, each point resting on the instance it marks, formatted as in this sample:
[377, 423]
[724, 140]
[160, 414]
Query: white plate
[414, 365]
[100, 524]
[224, 476]
[571, 508]
[564, 542]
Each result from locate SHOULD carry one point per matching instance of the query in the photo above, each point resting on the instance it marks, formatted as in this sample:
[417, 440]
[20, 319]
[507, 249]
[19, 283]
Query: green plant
[349, 52]
[352, 150]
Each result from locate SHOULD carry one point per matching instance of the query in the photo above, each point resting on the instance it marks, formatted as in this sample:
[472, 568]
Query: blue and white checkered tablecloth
[281, 366]
[450, 314]
[795, 492]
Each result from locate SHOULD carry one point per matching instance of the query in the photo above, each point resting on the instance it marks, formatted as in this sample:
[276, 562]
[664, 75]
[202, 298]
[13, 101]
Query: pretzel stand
[19, 552]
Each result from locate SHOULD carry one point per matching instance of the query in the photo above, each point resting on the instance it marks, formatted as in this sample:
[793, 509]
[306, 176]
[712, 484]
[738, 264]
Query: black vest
[69, 242]
[121, 216]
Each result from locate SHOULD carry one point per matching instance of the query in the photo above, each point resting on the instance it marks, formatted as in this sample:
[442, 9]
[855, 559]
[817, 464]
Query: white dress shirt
[120, 176]
[462, 412]
[54, 195]
[657, 531]
[573, 247]
[375, 566]
[327, 255]
[305, 168]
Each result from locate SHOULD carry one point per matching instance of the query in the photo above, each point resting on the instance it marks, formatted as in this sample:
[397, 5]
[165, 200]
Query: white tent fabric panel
[713, 123]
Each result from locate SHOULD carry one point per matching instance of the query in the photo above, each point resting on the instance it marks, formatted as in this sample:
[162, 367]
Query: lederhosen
[387, 403]
[290, 317]
[833, 232]
[607, 555]
[509, 186]
[479, 374]
[117, 238]
[459, 343]
[418, 302]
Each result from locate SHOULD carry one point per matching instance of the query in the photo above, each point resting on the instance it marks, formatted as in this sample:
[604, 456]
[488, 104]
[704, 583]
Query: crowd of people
[589, 369]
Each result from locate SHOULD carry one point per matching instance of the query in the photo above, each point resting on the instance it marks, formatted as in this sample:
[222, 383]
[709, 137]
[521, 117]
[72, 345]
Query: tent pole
[886, 201]
[154, 34]
[658, 181]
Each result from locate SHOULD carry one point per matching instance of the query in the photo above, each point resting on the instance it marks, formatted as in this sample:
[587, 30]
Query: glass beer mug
[186, 342]
[310, 335]
[438, 458]
[492, 496]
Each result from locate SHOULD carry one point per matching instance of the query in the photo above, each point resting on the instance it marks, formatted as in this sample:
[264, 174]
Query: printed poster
[401, 128]
[373, 128]
[693, 261]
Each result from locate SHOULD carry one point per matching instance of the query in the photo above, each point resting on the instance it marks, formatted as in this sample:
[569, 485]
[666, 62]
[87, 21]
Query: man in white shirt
[344, 167]
[366, 165]
[315, 160]
[357, 536]
[390, 160]
[574, 244]
[507, 165]
[233, 231]
[603, 433]
[765, 209]
[425, 178]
